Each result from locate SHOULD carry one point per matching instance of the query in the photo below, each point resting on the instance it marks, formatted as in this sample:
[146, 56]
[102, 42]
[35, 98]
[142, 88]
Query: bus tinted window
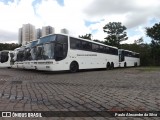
[47, 39]
[95, 47]
[4, 57]
[114, 51]
[72, 43]
[89, 46]
[101, 49]
[75, 43]
[130, 54]
[86, 45]
[62, 39]
[34, 43]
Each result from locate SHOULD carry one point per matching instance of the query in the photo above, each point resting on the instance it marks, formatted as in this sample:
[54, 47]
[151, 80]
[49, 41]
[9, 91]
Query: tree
[7, 46]
[139, 41]
[98, 41]
[143, 49]
[87, 36]
[154, 33]
[116, 33]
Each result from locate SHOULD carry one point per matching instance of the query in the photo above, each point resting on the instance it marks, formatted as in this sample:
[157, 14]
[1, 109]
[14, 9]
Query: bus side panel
[90, 60]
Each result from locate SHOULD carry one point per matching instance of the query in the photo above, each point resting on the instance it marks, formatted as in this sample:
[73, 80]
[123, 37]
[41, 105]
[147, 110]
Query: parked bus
[58, 52]
[28, 62]
[6, 59]
[128, 58]
[19, 57]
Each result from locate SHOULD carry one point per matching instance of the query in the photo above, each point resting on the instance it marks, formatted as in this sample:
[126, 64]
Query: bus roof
[81, 39]
[129, 51]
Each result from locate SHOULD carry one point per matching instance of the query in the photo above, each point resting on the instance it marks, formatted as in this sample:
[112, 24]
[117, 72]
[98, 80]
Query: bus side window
[78, 44]
[72, 43]
[101, 49]
[4, 57]
[59, 51]
[95, 47]
[86, 45]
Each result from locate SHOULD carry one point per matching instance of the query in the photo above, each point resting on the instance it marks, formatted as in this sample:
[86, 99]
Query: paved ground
[130, 89]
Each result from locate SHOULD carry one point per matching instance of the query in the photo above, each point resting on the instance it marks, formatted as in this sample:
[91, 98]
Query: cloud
[14, 15]
[8, 37]
[130, 13]
[108, 7]
[68, 16]
[72, 14]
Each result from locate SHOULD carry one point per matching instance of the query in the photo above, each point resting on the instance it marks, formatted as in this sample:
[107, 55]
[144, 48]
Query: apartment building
[26, 34]
[47, 30]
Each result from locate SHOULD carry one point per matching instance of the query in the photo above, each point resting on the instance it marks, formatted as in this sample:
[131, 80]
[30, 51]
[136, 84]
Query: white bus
[28, 62]
[6, 59]
[58, 52]
[128, 58]
[19, 57]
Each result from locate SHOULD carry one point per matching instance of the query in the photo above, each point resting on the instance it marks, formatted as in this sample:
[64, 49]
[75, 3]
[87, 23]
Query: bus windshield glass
[39, 52]
[33, 53]
[47, 39]
[27, 52]
[20, 55]
[34, 43]
[48, 50]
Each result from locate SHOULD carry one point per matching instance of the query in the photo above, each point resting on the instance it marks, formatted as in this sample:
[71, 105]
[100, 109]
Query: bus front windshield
[39, 52]
[33, 53]
[48, 51]
[20, 55]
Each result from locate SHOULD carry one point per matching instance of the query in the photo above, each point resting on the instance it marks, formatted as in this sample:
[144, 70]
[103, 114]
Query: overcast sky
[78, 16]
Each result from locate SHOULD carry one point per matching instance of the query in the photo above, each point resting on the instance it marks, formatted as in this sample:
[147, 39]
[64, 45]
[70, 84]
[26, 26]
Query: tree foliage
[139, 41]
[154, 32]
[86, 36]
[143, 49]
[116, 33]
[8, 46]
[149, 53]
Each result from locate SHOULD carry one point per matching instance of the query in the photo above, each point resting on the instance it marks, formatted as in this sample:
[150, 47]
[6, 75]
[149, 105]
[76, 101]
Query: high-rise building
[64, 31]
[47, 30]
[27, 33]
[20, 36]
[38, 33]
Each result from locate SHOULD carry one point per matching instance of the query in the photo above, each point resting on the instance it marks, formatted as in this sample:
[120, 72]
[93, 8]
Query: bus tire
[112, 65]
[135, 64]
[125, 65]
[74, 67]
[108, 66]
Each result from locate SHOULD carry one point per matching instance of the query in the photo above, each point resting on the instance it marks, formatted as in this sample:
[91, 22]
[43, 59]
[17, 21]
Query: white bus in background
[58, 52]
[15, 52]
[6, 59]
[128, 58]
[19, 57]
[28, 62]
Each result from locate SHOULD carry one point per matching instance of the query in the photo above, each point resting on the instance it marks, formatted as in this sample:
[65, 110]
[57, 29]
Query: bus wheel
[74, 67]
[125, 64]
[108, 66]
[135, 64]
[112, 65]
